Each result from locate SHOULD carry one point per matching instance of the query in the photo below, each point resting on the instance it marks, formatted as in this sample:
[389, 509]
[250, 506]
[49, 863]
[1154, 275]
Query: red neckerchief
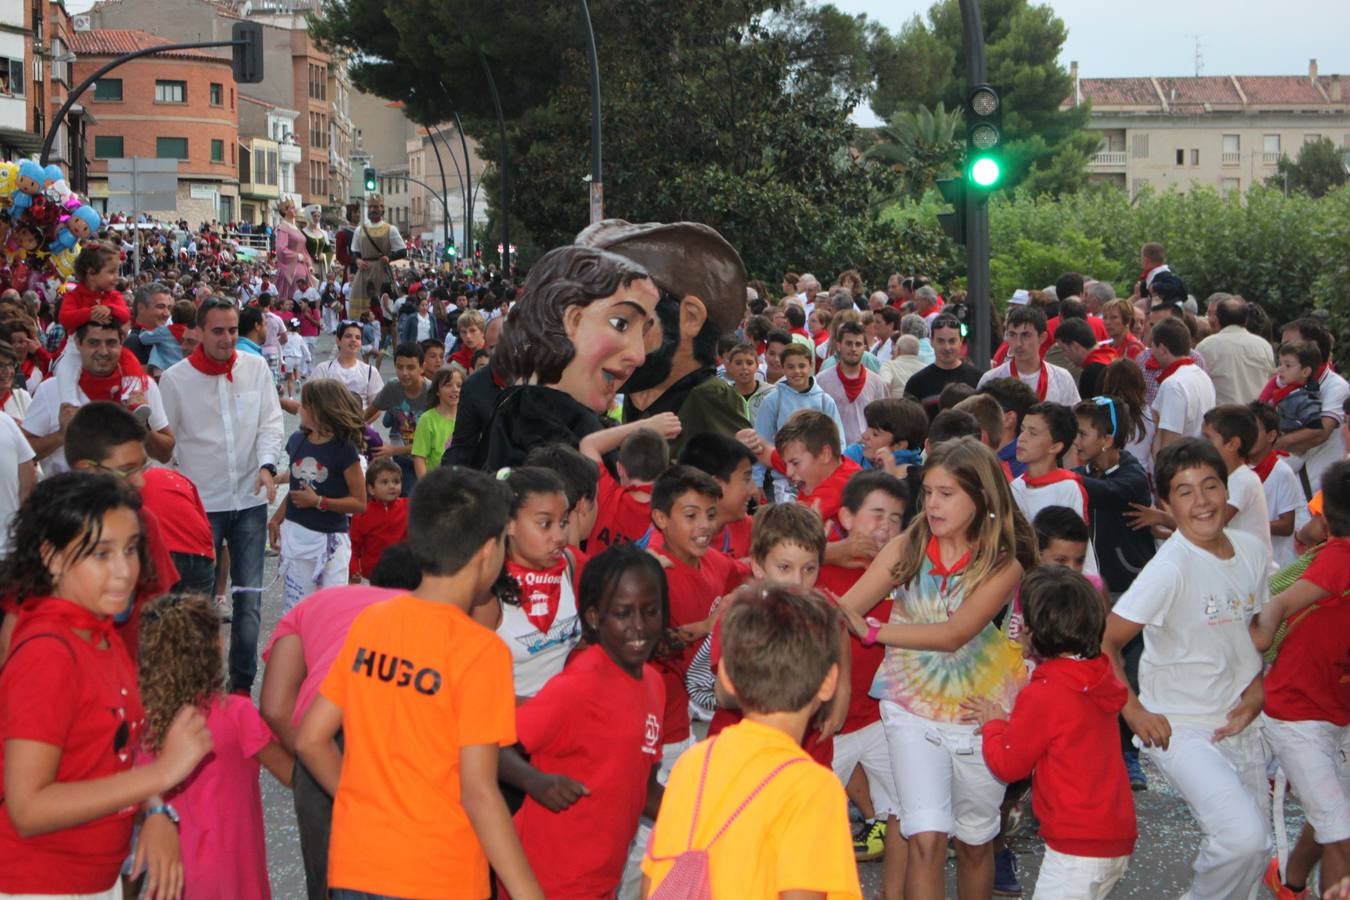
[61, 611]
[1165, 372]
[1267, 465]
[208, 366]
[935, 560]
[106, 388]
[4, 398]
[1055, 476]
[852, 386]
[803, 332]
[1122, 350]
[1280, 392]
[540, 592]
[28, 365]
[1042, 383]
[1319, 372]
[821, 337]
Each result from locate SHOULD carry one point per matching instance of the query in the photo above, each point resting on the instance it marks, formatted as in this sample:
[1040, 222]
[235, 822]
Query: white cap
[1020, 298]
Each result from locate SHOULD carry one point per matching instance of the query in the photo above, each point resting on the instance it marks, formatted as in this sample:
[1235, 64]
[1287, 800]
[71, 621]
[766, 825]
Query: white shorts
[1065, 877]
[942, 782]
[867, 747]
[1314, 758]
[112, 893]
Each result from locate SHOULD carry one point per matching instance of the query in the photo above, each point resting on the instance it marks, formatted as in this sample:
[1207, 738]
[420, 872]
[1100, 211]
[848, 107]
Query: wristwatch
[873, 628]
[166, 809]
[271, 469]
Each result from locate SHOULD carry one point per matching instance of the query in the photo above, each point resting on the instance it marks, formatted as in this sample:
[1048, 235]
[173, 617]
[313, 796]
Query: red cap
[414, 287]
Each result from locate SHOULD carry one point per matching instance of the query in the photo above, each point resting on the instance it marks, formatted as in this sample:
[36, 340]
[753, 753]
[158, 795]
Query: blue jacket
[780, 403]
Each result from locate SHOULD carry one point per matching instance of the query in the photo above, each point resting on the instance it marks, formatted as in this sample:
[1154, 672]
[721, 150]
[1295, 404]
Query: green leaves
[1321, 166]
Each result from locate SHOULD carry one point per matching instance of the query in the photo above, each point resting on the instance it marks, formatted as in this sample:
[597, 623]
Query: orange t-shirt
[416, 681]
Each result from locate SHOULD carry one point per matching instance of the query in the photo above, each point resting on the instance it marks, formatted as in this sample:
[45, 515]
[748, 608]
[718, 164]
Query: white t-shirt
[1060, 386]
[537, 657]
[1141, 448]
[1248, 497]
[1283, 494]
[44, 415]
[14, 452]
[1182, 401]
[361, 379]
[1198, 657]
[1333, 390]
[16, 407]
[1069, 493]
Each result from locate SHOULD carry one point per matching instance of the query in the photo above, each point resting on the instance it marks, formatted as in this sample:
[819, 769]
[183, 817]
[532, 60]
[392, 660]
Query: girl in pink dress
[220, 804]
[293, 262]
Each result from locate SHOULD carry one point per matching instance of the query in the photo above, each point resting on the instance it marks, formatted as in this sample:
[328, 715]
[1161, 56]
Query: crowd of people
[642, 578]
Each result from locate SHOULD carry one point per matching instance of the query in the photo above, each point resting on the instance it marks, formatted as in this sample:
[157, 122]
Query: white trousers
[867, 747]
[1065, 877]
[1314, 758]
[631, 886]
[1225, 786]
[311, 560]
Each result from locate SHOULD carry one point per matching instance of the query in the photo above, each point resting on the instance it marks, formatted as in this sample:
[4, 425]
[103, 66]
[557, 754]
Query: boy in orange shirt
[770, 822]
[425, 700]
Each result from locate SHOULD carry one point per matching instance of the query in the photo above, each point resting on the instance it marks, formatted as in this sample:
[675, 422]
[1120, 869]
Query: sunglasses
[1110, 404]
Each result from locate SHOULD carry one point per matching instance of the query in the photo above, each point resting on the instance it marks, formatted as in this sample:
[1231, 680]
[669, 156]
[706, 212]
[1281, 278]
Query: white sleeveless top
[536, 657]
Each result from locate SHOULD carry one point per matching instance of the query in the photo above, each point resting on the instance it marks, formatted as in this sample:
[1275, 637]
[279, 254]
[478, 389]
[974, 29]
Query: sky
[1158, 37]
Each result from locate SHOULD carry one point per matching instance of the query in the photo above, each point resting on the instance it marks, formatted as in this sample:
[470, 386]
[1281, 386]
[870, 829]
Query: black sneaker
[1005, 875]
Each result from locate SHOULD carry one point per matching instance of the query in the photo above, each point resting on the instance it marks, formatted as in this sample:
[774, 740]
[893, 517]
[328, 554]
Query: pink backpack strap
[752, 795]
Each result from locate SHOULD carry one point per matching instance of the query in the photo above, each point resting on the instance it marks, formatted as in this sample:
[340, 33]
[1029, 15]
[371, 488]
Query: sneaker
[1277, 887]
[1138, 780]
[869, 842]
[1005, 875]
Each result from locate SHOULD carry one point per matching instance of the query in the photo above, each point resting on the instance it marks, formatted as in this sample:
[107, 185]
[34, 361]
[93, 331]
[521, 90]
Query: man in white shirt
[18, 474]
[1315, 449]
[1024, 331]
[885, 324]
[1185, 392]
[225, 405]
[100, 348]
[1239, 362]
[851, 384]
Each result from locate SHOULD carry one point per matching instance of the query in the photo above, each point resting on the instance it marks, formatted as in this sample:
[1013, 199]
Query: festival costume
[370, 242]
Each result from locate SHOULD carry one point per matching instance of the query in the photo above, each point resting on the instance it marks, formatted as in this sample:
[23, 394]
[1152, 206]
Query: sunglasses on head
[1110, 404]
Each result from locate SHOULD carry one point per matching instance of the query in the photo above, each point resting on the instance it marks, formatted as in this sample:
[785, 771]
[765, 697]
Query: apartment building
[1225, 132]
[18, 99]
[179, 105]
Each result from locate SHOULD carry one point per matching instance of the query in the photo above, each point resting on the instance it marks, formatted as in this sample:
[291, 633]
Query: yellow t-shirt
[794, 836]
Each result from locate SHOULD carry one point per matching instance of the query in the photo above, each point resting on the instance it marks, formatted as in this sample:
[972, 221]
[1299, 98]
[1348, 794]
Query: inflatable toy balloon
[63, 263]
[80, 225]
[28, 186]
[9, 180]
[54, 181]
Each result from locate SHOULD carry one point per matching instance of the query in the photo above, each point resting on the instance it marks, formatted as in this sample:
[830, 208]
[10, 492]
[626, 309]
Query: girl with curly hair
[220, 804]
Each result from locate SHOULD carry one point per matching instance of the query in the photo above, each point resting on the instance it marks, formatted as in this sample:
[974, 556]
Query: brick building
[178, 105]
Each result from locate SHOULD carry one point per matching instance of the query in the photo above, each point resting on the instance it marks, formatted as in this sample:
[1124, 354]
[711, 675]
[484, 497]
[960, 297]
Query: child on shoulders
[1294, 391]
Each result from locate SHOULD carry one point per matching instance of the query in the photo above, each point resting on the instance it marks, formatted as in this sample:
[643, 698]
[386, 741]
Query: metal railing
[1231, 158]
[1113, 158]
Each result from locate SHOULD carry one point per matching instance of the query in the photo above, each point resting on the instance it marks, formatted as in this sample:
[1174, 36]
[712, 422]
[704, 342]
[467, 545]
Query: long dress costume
[370, 242]
[320, 252]
[293, 262]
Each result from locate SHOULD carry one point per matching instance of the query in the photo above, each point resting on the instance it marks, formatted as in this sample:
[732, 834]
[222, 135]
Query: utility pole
[597, 176]
[977, 208]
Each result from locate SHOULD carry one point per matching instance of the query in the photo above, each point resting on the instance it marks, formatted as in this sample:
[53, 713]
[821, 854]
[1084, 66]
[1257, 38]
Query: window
[1139, 146]
[108, 89]
[171, 147]
[217, 151]
[271, 166]
[1181, 157]
[1232, 143]
[1229, 185]
[217, 93]
[1271, 144]
[1195, 157]
[107, 146]
[170, 91]
[11, 76]
[1311, 138]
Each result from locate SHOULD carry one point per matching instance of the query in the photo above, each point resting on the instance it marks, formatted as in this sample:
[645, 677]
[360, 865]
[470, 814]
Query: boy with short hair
[1014, 398]
[893, 438]
[1284, 495]
[1200, 676]
[788, 828]
[581, 478]
[807, 451]
[384, 521]
[1063, 727]
[1294, 392]
[1048, 432]
[433, 357]
[949, 425]
[797, 391]
[1024, 332]
[1306, 717]
[402, 403]
[1232, 429]
[742, 365]
[731, 464]
[416, 809]
[1184, 390]
[623, 505]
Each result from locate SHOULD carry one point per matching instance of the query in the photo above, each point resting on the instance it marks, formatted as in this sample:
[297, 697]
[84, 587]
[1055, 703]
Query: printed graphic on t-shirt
[401, 672]
[405, 420]
[563, 631]
[308, 470]
[651, 735]
[1230, 610]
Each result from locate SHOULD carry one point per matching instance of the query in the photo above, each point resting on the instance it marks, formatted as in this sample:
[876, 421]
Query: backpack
[689, 878]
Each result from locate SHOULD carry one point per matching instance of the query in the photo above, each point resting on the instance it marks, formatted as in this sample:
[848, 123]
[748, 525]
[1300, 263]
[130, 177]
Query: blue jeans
[245, 531]
[196, 574]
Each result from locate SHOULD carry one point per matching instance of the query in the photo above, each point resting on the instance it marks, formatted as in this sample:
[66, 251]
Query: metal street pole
[469, 194]
[445, 225]
[503, 165]
[597, 176]
[977, 207]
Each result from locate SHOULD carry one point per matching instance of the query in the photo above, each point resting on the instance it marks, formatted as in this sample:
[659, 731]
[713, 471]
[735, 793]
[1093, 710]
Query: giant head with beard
[702, 283]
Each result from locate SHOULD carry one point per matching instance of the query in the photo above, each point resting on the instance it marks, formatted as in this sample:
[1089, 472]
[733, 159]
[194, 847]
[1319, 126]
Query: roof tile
[117, 41]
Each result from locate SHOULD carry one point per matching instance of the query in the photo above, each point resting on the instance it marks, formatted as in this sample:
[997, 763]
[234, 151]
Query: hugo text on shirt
[397, 670]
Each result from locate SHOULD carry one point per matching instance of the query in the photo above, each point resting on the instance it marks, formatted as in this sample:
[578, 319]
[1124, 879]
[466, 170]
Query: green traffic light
[985, 172]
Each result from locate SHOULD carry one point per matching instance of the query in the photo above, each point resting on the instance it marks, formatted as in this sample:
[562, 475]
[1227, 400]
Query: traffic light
[450, 252]
[984, 140]
[247, 52]
[370, 179]
[953, 190]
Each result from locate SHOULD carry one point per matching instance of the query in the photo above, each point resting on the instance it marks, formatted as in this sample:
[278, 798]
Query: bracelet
[323, 504]
[873, 629]
[166, 809]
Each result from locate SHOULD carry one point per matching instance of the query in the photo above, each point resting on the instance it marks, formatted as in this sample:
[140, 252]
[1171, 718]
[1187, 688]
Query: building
[53, 38]
[18, 97]
[268, 157]
[1224, 132]
[178, 105]
[426, 212]
[297, 76]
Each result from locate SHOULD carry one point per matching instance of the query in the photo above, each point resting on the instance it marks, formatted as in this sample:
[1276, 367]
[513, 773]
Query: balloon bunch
[42, 223]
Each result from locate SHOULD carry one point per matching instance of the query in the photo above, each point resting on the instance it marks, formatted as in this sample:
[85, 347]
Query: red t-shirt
[692, 592]
[376, 530]
[1310, 679]
[621, 517]
[599, 725]
[178, 507]
[59, 688]
[734, 538]
[863, 709]
[829, 494]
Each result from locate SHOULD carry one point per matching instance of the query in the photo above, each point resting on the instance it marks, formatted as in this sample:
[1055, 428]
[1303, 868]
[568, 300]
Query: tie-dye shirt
[933, 683]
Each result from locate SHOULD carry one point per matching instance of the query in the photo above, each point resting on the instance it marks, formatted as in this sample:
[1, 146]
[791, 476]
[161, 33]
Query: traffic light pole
[977, 205]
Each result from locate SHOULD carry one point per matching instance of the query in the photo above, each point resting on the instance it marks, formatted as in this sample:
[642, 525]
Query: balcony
[290, 153]
[1107, 159]
[1270, 159]
[1231, 159]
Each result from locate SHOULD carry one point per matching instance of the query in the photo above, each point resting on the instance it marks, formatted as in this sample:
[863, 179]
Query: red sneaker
[1277, 887]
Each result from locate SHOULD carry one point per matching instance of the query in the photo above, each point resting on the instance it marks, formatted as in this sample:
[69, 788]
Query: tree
[920, 146]
[1046, 148]
[1319, 168]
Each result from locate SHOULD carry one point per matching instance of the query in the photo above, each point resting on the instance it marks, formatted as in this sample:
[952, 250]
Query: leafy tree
[920, 146]
[1046, 148]
[1320, 167]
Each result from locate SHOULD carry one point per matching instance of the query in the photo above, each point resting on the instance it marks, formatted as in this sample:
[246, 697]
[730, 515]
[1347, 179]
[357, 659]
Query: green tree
[920, 146]
[1320, 167]
[1046, 148]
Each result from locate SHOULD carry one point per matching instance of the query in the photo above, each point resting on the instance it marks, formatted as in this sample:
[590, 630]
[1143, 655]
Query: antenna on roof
[1199, 57]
